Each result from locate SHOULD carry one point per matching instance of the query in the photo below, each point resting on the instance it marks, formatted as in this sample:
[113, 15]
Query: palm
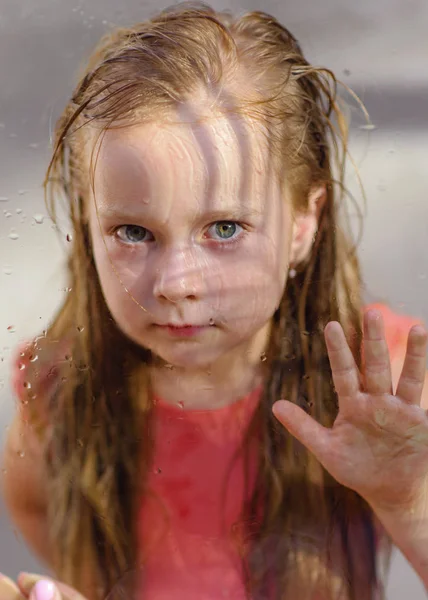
[378, 445]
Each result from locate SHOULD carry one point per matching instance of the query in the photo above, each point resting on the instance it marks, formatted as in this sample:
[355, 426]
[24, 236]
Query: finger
[412, 378]
[377, 365]
[68, 593]
[346, 377]
[26, 582]
[45, 590]
[8, 589]
[311, 434]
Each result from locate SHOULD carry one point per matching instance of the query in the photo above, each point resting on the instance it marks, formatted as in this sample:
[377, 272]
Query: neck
[232, 377]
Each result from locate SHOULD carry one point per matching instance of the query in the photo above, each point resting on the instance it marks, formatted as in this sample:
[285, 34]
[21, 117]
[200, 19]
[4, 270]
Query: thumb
[38, 587]
[303, 427]
[45, 590]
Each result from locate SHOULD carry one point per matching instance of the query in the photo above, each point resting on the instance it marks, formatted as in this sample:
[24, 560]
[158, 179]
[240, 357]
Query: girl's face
[188, 222]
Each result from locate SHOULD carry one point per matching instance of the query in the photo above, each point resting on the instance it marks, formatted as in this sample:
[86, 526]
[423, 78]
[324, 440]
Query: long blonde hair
[98, 452]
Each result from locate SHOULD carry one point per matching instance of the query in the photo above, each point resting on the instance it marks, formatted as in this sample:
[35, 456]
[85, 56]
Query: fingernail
[45, 590]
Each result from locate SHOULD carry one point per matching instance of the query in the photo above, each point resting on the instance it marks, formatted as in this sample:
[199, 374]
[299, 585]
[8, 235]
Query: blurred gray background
[379, 48]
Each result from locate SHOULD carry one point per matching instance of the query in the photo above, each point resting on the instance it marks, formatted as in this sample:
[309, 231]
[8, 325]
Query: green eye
[225, 229]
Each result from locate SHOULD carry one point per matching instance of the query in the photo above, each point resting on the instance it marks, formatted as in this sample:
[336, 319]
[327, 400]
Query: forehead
[215, 158]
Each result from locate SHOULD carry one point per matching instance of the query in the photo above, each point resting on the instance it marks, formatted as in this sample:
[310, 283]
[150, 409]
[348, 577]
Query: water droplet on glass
[211, 322]
[11, 329]
[368, 127]
[180, 404]
[33, 357]
[69, 237]
[80, 329]
[68, 357]
[21, 454]
[18, 211]
[170, 367]
[346, 72]
[39, 219]
[22, 192]
[157, 471]
[7, 270]
[27, 385]
[7, 214]
[306, 333]
[263, 356]
[4, 199]
[21, 366]
[33, 146]
[13, 235]
[306, 377]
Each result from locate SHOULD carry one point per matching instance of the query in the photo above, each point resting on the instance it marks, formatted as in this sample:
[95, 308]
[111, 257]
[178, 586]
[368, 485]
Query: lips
[186, 330]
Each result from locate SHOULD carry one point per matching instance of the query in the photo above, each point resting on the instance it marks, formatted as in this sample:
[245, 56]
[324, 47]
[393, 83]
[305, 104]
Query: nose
[179, 276]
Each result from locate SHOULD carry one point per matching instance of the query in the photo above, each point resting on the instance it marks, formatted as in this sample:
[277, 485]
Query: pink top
[188, 534]
[187, 531]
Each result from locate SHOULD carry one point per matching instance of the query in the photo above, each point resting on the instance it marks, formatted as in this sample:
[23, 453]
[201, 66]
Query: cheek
[254, 282]
[118, 283]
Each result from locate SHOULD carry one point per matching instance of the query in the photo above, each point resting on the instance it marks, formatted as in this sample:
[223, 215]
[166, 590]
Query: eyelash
[223, 242]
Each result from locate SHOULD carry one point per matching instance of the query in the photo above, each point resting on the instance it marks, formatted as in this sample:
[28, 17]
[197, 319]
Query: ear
[305, 225]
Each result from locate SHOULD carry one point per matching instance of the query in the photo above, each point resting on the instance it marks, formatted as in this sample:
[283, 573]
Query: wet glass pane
[196, 251]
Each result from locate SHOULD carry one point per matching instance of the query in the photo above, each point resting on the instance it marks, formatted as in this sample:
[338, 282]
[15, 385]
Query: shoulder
[397, 328]
[34, 379]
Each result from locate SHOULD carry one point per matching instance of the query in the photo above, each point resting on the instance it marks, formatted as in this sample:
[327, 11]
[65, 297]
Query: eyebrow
[224, 214]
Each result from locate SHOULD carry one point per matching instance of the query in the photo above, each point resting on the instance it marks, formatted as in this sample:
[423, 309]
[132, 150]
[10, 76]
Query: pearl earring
[292, 273]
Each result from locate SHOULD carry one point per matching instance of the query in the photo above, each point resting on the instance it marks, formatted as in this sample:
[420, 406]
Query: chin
[187, 358]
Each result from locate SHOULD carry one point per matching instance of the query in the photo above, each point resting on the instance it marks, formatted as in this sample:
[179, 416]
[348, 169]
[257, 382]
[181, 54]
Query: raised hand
[378, 445]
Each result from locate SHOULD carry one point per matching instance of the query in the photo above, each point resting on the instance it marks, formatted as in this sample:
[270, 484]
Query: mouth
[186, 330]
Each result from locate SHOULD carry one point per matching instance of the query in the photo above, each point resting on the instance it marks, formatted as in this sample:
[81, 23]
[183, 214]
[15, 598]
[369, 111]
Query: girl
[207, 263]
